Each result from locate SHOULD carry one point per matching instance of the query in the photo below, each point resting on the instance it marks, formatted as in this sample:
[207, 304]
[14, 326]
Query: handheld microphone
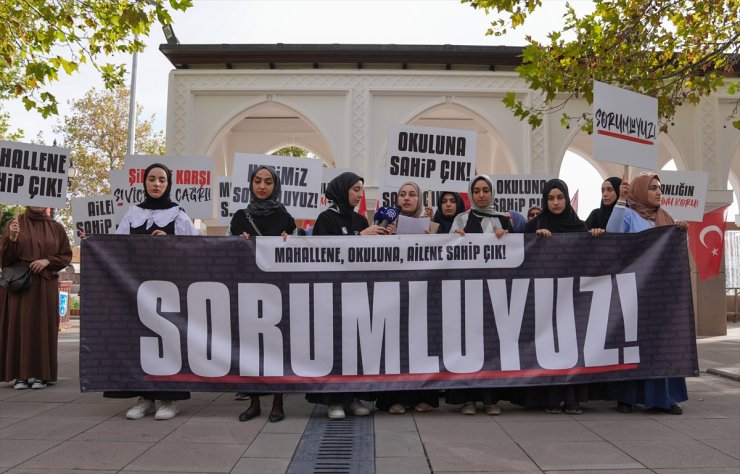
[385, 216]
[379, 216]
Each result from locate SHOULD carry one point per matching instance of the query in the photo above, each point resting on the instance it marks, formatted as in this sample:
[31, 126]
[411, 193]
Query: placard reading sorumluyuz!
[300, 182]
[625, 127]
[437, 159]
[33, 175]
[423, 312]
[95, 215]
[683, 193]
[192, 179]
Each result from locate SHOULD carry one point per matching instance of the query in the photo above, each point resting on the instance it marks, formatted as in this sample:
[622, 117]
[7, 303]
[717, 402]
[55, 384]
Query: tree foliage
[41, 38]
[96, 131]
[292, 150]
[675, 50]
[5, 132]
[7, 212]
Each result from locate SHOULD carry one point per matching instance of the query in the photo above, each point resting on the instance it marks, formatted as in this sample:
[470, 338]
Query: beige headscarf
[419, 204]
[638, 201]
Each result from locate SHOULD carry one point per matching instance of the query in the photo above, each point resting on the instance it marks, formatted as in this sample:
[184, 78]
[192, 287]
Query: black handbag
[16, 278]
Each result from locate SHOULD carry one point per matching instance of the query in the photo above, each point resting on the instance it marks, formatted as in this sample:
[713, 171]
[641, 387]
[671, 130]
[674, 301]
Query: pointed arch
[493, 154]
[266, 126]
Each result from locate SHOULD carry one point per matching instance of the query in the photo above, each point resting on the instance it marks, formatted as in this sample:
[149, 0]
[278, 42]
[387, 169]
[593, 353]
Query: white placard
[223, 192]
[124, 194]
[388, 196]
[683, 193]
[625, 127]
[300, 181]
[518, 192]
[192, 178]
[33, 175]
[437, 159]
[95, 215]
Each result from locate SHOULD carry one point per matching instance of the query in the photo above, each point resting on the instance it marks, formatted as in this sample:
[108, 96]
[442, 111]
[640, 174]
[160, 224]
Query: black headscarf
[445, 223]
[337, 191]
[600, 217]
[566, 221]
[164, 201]
[264, 207]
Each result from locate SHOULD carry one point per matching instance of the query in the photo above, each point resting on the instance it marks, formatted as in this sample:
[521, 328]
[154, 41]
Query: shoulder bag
[16, 279]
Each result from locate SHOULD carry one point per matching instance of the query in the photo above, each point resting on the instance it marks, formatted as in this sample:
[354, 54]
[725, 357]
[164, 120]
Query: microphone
[385, 215]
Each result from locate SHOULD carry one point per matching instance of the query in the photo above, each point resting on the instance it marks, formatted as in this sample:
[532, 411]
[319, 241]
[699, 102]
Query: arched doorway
[264, 128]
[493, 157]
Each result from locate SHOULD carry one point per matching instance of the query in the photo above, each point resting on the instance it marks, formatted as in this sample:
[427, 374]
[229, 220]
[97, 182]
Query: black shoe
[624, 407]
[675, 409]
[248, 414]
[276, 416]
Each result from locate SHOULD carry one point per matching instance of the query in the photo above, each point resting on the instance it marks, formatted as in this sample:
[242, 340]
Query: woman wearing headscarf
[156, 215]
[410, 203]
[410, 200]
[29, 319]
[449, 206]
[644, 212]
[609, 196]
[345, 193]
[557, 213]
[518, 221]
[264, 215]
[557, 216]
[533, 212]
[481, 218]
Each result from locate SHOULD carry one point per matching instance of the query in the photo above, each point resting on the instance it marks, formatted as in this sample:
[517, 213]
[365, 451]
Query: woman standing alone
[29, 319]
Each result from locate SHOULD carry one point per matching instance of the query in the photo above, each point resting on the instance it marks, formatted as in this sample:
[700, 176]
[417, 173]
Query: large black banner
[383, 313]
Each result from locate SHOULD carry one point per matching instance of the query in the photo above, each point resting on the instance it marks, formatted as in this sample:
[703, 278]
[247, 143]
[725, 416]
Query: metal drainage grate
[335, 446]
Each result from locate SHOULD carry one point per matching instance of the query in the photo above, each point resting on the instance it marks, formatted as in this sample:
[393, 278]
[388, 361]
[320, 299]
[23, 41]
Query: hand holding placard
[15, 229]
[624, 188]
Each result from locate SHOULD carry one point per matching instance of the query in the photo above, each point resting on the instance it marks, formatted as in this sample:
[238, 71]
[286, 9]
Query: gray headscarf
[420, 203]
[488, 210]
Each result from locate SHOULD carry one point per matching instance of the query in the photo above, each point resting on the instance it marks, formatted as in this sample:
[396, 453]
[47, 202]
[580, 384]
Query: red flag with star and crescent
[707, 241]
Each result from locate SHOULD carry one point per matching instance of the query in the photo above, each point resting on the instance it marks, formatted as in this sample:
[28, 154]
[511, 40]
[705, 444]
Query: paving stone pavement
[60, 430]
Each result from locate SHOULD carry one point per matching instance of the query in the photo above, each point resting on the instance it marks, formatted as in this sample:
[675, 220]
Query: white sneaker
[336, 412]
[38, 383]
[20, 384]
[142, 408]
[358, 409]
[166, 409]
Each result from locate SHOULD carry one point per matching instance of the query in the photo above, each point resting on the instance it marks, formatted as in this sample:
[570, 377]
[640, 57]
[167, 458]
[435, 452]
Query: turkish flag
[363, 206]
[706, 242]
[466, 200]
[574, 202]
